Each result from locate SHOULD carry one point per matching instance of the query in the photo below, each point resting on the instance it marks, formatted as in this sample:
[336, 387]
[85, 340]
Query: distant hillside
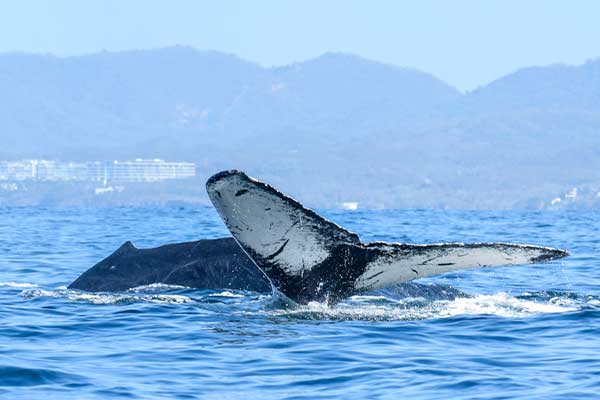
[138, 102]
[115, 103]
[332, 129]
[553, 87]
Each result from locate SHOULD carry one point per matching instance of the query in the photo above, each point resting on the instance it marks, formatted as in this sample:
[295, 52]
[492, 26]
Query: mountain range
[328, 130]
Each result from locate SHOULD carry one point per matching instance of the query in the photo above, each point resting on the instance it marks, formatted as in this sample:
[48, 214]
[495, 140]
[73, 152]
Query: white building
[96, 171]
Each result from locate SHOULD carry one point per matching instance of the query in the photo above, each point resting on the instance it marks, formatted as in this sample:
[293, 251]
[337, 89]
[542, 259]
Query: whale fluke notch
[309, 258]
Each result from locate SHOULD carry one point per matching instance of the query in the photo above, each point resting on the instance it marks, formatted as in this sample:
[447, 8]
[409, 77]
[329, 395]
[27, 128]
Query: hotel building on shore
[139, 170]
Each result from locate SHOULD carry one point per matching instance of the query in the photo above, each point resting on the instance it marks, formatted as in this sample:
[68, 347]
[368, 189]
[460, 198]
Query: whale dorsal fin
[271, 227]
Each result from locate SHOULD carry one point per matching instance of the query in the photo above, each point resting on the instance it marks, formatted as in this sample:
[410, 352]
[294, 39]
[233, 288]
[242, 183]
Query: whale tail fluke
[310, 258]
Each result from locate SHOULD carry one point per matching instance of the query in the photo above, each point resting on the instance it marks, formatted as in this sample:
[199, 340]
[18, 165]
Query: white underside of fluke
[401, 263]
[274, 226]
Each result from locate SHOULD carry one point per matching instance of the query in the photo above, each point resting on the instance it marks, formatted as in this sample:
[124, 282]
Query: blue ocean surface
[512, 332]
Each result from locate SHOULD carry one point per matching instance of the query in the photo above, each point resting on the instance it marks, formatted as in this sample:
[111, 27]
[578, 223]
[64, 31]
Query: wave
[226, 293]
[18, 284]
[18, 376]
[157, 287]
[373, 306]
[107, 298]
[368, 307]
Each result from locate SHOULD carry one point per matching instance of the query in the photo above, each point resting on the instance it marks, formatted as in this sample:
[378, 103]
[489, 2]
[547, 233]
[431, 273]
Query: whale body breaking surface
[279, 244]
[203, 264]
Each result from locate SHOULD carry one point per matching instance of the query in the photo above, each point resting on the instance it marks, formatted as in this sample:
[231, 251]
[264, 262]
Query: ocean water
[515, 332]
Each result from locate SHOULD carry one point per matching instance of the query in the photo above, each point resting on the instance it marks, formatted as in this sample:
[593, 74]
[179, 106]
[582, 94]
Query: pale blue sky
[465, 43]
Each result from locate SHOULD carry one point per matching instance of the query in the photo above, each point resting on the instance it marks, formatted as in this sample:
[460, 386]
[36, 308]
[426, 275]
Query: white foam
[30, 294]
[354, 308]
[226, 294]
[371, 308]
[355, 312]
[501, 304]
[107, 298]
[157, 286]
[370, 298]
[404, 300]
[18, 284]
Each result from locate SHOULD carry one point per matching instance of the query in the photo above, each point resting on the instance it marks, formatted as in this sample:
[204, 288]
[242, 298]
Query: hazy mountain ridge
[335, 128]
[553, 87]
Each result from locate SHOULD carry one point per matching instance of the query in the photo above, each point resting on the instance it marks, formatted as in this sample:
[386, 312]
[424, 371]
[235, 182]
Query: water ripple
[518, 332]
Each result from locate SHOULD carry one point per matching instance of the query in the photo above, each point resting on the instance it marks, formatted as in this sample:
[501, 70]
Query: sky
[465, 43]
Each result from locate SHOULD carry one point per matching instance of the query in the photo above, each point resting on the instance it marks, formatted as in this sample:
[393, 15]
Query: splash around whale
[278, 243]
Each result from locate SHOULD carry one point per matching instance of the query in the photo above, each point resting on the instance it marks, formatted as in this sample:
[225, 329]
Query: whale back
[202, 264]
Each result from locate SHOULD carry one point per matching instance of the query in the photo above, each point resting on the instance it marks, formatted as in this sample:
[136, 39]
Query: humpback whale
[203, 264]
[279, 244]
[309, 258]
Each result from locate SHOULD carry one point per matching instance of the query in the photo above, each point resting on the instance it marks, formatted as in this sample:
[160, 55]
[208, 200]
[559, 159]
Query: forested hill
[332, 129]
